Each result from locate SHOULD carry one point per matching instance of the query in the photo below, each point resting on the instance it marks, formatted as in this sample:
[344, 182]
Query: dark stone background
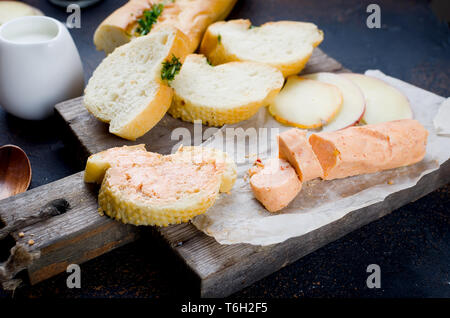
[411, 245]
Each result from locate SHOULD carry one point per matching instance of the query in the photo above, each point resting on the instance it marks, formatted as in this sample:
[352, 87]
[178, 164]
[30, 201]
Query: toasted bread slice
[223, 94]
[286, 45]
[145, 188]
[126, 89]
[190, 16]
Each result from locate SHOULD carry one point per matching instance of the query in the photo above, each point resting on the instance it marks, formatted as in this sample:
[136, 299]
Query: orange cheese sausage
[294, 147]
[274, 184]
[370, 148]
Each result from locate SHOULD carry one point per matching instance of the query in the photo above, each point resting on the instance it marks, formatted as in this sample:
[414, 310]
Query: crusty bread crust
[219, 54]
[191, 17]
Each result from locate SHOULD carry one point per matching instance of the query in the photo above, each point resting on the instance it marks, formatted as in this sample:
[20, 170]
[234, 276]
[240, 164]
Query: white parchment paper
[238, 218]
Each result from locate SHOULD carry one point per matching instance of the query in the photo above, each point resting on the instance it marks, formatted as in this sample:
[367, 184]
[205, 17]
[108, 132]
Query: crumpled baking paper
[442, 119]
[239, 218]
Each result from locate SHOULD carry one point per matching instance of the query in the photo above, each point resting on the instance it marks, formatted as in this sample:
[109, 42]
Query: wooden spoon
[15, 171]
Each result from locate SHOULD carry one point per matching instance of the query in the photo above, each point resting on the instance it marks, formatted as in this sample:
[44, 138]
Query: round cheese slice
[306, 103]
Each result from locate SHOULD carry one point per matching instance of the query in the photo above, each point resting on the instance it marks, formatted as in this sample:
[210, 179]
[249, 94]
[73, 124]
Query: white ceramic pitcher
[39, 66]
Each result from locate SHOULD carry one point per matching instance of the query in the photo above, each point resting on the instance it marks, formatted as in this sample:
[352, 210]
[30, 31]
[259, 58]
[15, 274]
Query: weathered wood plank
[76, 236]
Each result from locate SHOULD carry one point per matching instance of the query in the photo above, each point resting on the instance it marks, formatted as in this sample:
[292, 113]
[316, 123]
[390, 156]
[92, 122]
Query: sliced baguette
[126, 89]
[223, 94]
[190, 16]
[145, 188]
[286, 45]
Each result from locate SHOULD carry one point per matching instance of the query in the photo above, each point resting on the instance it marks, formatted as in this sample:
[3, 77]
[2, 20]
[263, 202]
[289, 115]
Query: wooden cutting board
[81, 233]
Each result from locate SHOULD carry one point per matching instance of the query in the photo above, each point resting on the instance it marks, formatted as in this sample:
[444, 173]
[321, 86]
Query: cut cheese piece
[383, 102]
[274, 184]
[306, 103]
[353, 105]
[368, 149]
[223, 94]
[286, 45]
[294, 147]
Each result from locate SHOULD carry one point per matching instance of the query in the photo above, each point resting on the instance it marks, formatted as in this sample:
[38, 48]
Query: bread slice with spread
[144, 188]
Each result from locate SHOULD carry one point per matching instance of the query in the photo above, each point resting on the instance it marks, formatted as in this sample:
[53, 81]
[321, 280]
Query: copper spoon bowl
[15, 171]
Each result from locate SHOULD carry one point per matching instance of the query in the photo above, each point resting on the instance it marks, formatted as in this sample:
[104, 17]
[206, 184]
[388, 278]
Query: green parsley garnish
[149, 18]
[170, 69]
[219, 39]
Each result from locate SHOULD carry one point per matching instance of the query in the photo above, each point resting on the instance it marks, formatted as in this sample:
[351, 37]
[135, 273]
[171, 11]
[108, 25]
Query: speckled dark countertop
[411, 245]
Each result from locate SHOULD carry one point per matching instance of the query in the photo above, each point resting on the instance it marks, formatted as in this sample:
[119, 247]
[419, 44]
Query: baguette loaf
[190, 16]
[223, 94]
[126, 89]
[286, 45]
[144, 188]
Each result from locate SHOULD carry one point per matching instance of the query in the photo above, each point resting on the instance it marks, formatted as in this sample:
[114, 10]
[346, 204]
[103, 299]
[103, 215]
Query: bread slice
[223, 94]
[126, 89]
[190, 16]
[286, 45]
[145, 188]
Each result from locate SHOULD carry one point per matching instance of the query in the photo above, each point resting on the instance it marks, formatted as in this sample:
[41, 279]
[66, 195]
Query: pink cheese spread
[370, 148]
[168, 179]
[275, 184]
[127, 156]
[294, 147]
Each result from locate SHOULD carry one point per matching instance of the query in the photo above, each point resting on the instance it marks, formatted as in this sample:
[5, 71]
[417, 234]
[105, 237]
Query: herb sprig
[170, 68]
[149, 18]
